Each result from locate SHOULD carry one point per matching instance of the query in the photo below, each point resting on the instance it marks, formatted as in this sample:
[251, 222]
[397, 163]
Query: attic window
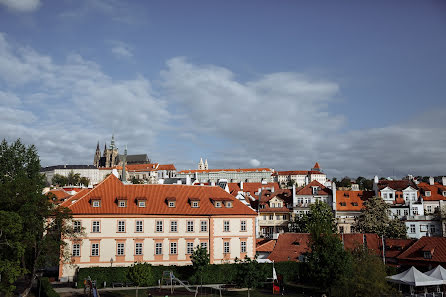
[195, 204]
[228, 204]
[217, 203]
[96, 203]
[171, 203]
[343, 204]
[444, 193]
[428, 193]
[296, 243]
[122, 203]
[141, 203]
[427, 255]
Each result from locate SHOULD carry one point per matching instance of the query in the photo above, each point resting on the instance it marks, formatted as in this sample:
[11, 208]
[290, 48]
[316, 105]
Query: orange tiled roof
[352, 200]
[397, 185]
[316, 166]
[166, 167]
[141, 167]
[59, 195]
[436, 245]
[395, 247]
[307, 190]
[228, 170]
[265, 245]
[436, 191]
[76, 196]
[111, 188]
[290, 246]
[352, 241]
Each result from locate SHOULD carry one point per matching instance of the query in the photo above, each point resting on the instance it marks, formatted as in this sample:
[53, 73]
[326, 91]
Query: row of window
[278, 217]
[138, 249]
[159, 226]
[423, 228]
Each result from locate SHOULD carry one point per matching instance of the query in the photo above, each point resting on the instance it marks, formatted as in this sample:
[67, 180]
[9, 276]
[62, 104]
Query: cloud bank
[282, 119]
[21, 5]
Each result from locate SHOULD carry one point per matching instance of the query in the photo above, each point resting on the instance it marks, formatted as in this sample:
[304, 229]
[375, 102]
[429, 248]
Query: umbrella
[414, 277]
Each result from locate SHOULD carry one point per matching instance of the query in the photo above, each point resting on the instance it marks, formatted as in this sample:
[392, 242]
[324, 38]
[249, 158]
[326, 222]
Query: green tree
[319, 220]
[367, 277]
[36, 224]
[298, 224]
[345, 182]
[200, 260]
[375, 218]
[136, 181]
[248, 273]
[73, 178]
[59, 180]
[85, 181]
[140, 274]
[290, 183]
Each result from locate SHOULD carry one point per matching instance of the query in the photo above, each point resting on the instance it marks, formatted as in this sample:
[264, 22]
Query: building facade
[230, 175]
[301, 178]
[91, 172]
[157, 224]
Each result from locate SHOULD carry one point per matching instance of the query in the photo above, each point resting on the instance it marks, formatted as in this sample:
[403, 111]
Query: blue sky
[357, 85]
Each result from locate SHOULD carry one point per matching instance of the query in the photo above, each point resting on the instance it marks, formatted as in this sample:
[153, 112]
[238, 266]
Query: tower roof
[316, 166]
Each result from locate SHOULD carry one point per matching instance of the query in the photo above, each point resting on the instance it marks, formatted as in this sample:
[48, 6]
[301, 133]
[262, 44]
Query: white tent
[438, 272]
[414, 277]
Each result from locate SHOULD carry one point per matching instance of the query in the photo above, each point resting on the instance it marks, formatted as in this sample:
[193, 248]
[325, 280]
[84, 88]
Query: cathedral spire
[124, 174]
[112, 143]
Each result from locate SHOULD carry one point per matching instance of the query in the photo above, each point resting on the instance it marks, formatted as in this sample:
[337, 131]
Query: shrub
[46, 290]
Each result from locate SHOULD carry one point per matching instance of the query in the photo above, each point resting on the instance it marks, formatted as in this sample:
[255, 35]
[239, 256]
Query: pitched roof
[436, 245]
[293, 172]
[316, 166]
[166, 167]
[397, 185]
[227, 170]
[75, 197]
[59, 195]
[141, 167]
[290, 246]
[395, 247]
[352, 241]
[308, 189]
[436, 191]
[265, 245]
[109, 190]
[352, 200]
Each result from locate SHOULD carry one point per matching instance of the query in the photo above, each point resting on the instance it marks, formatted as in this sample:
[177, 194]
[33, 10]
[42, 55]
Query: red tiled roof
[265, 245]
[437, 246]
[59, 195]
[352, 200]
[111, 188]
[397, 185]
[395, 247]
[228, 170]
[316, 166]
[308, 190]
[290, 246]
[252, 188]
[352, 241]
[76, 196]
[295, 172]
[436, 191]
[167, 167]
[141, 167]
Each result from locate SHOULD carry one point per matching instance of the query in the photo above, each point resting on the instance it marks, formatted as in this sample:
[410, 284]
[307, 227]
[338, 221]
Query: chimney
[188, 181]
[375, 179]
[294, 196]
[443, 180]
[241, 185]
[431, 180]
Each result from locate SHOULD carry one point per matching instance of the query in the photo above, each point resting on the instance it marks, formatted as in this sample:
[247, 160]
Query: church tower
[201, 164]
[206, 167]
[97, 156]
[113, 152]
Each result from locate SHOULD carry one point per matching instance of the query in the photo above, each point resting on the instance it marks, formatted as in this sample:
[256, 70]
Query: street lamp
[111, 262]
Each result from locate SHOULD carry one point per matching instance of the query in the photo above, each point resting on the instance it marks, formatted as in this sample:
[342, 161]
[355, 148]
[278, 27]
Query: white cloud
[21, 5]
[254, 162]
[121, 50]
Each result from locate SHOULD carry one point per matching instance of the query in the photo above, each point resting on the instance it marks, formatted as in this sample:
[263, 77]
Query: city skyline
[358, 88]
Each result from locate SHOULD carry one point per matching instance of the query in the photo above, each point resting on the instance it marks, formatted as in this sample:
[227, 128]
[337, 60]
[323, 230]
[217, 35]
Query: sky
[358, 86]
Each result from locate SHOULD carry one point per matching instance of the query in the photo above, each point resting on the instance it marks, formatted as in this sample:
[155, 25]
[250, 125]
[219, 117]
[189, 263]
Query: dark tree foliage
[319, 220]
[136, 181]
[31, 226]
[248, 273]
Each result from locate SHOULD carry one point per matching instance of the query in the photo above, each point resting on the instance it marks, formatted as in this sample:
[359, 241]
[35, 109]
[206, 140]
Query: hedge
[46, 290]
[213, 274]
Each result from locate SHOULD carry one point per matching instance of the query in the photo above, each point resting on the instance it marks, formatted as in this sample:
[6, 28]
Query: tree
[367, 277]
[140, 274]
[290, 183]
[84, 181]
[31, 224]
[319, 220]
[200, 260]
[375, 218]
[248, 273]
[345, 182]
[59, 180]
[136, 181]
[73, 178]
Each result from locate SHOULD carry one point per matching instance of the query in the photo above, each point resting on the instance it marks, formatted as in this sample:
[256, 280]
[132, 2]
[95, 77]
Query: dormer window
[141, 203]
[171, 203]
[217, 204]
[122, 203]
[427, 255]
[428, 193]
[195, 204]
[96, 203]
[228, 204]
[444, 193]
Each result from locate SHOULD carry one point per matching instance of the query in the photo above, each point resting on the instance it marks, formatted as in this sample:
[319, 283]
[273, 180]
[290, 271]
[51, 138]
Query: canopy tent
[438, 272]
[414, 277]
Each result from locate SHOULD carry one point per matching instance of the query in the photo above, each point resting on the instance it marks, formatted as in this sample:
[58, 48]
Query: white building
[91, 172]
[230, 175]
[301, 177]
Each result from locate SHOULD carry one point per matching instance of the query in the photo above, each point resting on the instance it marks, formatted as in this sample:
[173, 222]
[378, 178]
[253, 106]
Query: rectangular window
[228, 204]
[226, 226]
[190, 248]
[341, 229]
[138, 248]
[95, 249]
[76, 250]
[217, 204]
[173, 226]
[390, 195]
[243, 247]
[243, 226]
[138, 226]
[226, 247]
[141, 203]
[273, 205]
[204, 245]
[95, 227]
[406, 212]
[284, 217]
[121, 226]
[122, 203]
[428, 193]
[171, 203]
[195, 204]
[158, 248]
[429, 208]
[204, 226]
[278, 217]
[159, 226]
[398, 212]
[173, 248]
[77, 226]
[414, 211]
[412, 228]
[432, 229]
[120, 249]
[271, 217]
[96, 203]
[190, 226]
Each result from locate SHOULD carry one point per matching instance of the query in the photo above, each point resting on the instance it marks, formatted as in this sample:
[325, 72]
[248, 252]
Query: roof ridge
[94, 188]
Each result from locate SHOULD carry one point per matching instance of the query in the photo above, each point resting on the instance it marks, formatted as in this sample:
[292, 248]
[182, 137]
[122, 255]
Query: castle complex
[111, 157]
